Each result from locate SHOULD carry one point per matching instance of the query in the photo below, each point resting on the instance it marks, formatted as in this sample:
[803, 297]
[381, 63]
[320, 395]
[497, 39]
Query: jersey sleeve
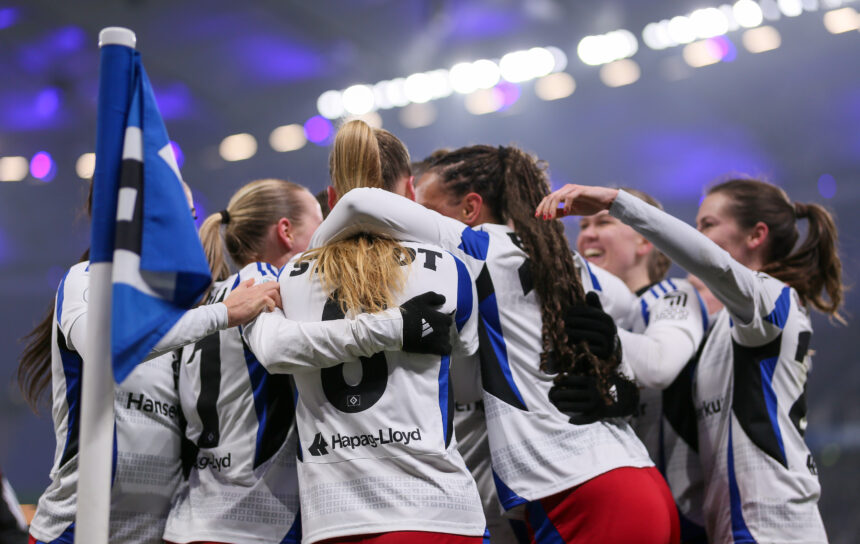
[194, 325]
[465, 339]
[772, 306]
[71, 307]
[676, 327]
[735, 285]
[285, 346]
[383, 212]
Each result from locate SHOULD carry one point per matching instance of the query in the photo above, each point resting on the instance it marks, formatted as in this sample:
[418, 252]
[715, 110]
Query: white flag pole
[95, 453]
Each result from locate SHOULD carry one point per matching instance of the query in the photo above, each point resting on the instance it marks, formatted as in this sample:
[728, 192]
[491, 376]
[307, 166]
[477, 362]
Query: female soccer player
[750, 382]
[378, 460]
[572, 480]
[241, 479]
[669, 327]
[147, 444]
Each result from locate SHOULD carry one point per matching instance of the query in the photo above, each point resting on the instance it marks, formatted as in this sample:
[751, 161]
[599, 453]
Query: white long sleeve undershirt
[284, 346]
[731, 282]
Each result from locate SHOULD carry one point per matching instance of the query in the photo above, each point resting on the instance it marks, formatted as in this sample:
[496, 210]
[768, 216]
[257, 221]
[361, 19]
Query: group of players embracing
[432, 363]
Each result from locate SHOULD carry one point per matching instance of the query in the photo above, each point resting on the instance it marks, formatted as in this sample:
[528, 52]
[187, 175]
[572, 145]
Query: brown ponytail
[813, 267]
[365, 271]
[242, 227]
[34, 366]
[512, 183]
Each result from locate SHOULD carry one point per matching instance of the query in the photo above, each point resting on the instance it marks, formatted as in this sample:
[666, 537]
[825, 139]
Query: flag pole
[95, 454]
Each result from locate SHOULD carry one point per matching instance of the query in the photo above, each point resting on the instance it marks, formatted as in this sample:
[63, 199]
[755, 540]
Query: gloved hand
[590, 324]
[579, 398]
[425, 329]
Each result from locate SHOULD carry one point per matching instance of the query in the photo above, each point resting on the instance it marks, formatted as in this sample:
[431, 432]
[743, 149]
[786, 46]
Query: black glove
[425, 329]
[579, 398]
[590, 324]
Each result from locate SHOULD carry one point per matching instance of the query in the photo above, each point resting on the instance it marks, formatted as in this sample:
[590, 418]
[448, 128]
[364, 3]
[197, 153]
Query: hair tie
[801, 210]
[225, 217]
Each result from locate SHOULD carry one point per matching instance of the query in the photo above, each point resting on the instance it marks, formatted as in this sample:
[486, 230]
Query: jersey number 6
[374, 376]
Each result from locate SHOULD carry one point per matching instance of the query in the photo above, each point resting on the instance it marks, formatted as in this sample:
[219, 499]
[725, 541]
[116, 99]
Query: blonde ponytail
[365, 272]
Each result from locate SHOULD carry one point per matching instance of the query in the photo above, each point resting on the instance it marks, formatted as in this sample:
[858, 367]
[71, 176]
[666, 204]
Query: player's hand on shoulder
[247, 300]
[425, 328]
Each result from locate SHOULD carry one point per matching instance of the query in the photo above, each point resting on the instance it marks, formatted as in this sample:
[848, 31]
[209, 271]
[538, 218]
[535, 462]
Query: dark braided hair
[512, 183]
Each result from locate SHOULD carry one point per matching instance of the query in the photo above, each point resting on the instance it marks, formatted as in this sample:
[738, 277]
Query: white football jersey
[665, 421]
[750, 400]
[377, 451]
[241, 472]
[147, 445]
[536, 452]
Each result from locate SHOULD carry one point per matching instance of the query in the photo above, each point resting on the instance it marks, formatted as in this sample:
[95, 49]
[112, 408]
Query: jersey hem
[221, 537]
[410, 525]
[574, 481]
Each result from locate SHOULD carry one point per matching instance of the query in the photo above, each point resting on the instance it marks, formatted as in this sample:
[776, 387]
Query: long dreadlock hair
[512, 183]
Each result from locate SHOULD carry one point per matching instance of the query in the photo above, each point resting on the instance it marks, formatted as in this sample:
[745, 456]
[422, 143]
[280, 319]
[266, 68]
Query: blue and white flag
[142, 222]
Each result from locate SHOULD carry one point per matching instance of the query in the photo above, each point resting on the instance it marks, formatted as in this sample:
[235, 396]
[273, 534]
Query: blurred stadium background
[667, 96]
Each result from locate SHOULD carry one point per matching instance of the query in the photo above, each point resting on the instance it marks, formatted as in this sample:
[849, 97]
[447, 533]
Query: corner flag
[159, 267]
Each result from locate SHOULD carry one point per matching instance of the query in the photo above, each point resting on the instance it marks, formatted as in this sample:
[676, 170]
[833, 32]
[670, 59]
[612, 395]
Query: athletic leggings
[618, 507]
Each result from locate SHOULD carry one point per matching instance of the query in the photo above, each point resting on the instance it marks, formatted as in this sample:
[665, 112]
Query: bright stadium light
[709, 22]
[790, 8]
[555, 86]
[330, 104]
[841, 20]
[462, 78]
[761, 39]
[288, 138]
[559, 58]
[484, 101]
[358, 99]
[486, 73]
[747, 13]
[439, 83]
[418, 89]
[85, 165]
[238, 147]
[615, 45]
[516, 66]
[681, 30]
[620, 73]
[14, 168]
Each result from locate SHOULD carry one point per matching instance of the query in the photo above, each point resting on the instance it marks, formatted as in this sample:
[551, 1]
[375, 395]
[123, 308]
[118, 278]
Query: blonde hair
[364, 272]
[254, 208]
[658, 263]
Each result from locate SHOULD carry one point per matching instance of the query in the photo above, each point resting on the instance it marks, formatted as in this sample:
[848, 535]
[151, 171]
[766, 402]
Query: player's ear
[409, 190]
[471, 210]
[284, 233]
[332, 196]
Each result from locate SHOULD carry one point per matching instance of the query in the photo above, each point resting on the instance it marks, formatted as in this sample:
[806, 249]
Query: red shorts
[399, 537]
[618, 507]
